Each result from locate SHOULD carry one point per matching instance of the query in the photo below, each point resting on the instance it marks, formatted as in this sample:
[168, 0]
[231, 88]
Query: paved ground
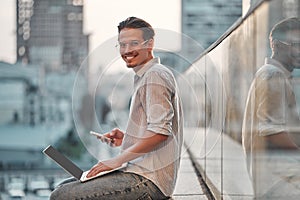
[188, 183]
[222, 164]
[221, 160]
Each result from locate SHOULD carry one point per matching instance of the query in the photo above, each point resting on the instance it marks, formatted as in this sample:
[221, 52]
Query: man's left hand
[103, 166]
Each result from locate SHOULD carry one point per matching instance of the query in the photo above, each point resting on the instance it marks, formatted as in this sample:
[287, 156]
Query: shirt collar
[279, 65]
[147, 65]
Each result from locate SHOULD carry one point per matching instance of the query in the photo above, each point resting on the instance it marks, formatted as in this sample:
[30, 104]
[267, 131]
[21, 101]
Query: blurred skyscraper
[50, 34]
[207, 20]
[203, 22]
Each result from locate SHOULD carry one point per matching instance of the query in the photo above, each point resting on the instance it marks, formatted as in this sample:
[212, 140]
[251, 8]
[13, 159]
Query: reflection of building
[49, 33]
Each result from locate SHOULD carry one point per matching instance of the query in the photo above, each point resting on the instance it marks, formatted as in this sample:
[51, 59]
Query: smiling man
[151, 144]
[135, 48]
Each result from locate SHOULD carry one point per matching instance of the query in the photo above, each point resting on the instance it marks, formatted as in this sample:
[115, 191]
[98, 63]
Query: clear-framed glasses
[131, 44]
[292, 44]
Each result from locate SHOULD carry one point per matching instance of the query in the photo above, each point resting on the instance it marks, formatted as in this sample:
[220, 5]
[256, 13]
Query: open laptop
[70, 167]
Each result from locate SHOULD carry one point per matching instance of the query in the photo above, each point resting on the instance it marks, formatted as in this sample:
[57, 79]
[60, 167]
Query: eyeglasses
[292, 44]
[132, 44]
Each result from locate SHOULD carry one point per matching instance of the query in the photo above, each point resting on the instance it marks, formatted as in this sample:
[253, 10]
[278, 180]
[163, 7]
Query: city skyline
[95, 23]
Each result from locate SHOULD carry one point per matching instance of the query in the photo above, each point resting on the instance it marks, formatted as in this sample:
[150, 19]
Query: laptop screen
[63, 161]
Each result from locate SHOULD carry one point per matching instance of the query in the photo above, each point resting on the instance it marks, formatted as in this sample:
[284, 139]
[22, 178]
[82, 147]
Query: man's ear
[151, 43]
[274, 43]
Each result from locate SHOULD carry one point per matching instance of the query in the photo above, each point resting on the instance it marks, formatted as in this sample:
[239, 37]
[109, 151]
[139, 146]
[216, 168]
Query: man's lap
[117, 185]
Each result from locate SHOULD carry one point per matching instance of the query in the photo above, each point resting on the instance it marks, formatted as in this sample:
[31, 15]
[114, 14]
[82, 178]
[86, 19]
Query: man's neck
[137, 68]
[282, 62]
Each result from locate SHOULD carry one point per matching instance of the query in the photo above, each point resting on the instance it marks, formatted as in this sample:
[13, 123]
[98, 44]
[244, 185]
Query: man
[151, 144]
[271, 121]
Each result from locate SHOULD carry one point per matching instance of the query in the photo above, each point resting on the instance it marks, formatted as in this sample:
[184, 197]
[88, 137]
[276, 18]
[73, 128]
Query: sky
[101, 18]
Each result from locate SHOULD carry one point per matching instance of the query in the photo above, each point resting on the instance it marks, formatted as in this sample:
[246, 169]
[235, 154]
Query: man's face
[134, 49]
[294, 39]
[291, 49]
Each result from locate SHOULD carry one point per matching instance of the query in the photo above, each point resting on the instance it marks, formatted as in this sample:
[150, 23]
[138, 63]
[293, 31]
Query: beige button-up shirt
[156, 106]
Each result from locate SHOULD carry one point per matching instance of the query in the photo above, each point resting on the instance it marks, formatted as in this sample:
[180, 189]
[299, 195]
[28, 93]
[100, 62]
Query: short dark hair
[280, 29]
[137, 23]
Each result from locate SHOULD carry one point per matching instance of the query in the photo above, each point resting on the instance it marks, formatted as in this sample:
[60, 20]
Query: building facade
[50, 34]
[202, 24]
[207, 20]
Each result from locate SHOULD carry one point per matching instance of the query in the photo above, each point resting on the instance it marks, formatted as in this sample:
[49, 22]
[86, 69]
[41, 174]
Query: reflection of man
[271, 121]
[152, 142]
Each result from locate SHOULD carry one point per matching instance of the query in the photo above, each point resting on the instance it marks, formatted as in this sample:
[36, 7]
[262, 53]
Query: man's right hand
[116, 135]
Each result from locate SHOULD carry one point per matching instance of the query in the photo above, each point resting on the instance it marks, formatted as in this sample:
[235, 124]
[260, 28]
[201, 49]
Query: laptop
[70, 167]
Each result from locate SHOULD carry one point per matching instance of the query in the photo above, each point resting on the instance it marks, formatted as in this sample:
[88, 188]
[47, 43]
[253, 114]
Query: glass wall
[248, 148]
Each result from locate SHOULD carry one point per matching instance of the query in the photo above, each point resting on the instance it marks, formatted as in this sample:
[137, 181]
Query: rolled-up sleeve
[272, 110]
[156, 97]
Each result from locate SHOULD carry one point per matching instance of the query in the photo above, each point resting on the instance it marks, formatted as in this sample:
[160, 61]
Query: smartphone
[101, 137]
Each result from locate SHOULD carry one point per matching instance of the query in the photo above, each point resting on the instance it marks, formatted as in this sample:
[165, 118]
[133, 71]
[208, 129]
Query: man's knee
[57, 194]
